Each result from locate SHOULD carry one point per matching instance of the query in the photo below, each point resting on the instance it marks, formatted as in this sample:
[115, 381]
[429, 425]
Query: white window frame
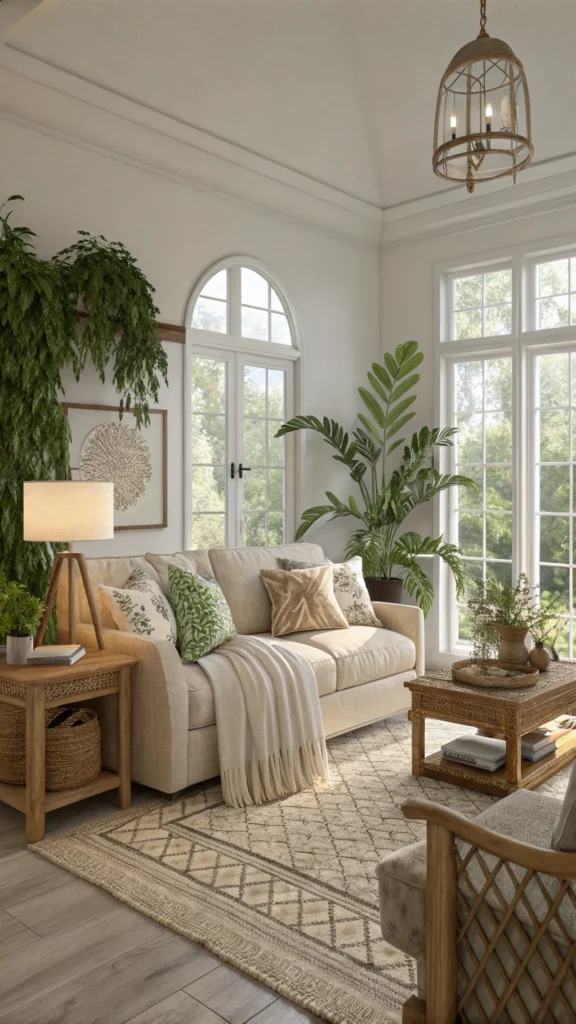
[524, 344]
[237, 351]
[449, 280]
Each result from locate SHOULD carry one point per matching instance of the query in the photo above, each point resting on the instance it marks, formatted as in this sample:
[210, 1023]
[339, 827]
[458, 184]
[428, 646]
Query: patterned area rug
[286, 892]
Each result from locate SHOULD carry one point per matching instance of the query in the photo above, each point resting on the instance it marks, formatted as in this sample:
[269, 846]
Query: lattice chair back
[501, 925]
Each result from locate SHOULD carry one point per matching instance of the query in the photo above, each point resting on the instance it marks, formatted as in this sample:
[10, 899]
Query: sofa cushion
[201, 700]
[238, 573]
[323, 663]
[200, 697]
[364, 653]
[196, 561]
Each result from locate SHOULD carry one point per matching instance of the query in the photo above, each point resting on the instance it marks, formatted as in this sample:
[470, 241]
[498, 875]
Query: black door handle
[243, 469]
[231, 470]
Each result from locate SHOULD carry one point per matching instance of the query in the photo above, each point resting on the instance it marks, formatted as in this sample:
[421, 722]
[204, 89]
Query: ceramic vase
[17, 649]
[512, 649]
[540, 657]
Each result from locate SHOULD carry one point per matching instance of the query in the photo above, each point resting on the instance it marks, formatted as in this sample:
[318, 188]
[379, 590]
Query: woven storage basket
[72, 746]
[12, 745]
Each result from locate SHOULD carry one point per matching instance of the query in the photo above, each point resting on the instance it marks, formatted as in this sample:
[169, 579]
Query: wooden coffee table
[513, 712]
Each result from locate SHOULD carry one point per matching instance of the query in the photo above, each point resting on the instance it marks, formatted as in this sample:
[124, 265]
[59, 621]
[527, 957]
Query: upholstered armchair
[489, 912]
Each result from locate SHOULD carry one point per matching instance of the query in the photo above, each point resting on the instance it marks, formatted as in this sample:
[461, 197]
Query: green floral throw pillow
[203, 617]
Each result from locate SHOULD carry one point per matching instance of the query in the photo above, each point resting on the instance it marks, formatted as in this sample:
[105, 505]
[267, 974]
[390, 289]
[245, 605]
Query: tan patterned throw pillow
[302, 599]
[350, 589]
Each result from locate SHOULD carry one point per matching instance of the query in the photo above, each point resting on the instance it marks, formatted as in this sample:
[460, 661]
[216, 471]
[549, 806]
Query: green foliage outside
[388, 496]
[263, 396]
[483, 405]
[40, 335]
[20, 611]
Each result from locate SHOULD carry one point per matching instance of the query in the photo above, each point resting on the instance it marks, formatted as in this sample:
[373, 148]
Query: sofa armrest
[159, 709]
[407, 619]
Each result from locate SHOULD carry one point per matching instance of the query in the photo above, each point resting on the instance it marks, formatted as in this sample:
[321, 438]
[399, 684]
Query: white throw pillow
[140, 607]
[350, 589]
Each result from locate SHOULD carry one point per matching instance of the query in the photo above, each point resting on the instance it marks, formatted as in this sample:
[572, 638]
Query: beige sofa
[360, 671]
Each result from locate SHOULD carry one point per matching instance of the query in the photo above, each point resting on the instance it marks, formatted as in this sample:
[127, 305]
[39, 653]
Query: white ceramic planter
[18, 648]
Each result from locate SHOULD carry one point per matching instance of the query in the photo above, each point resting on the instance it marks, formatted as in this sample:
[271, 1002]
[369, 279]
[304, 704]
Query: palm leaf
[374, 408]
[388, 405]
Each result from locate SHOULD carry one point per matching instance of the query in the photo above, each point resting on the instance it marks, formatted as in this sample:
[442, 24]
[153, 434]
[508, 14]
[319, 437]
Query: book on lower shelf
[56, 654]
[477, 751]
[557, 732]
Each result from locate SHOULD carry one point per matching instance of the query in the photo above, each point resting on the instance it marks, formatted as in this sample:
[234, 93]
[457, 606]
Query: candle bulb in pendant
[453, 125]
[488, 117]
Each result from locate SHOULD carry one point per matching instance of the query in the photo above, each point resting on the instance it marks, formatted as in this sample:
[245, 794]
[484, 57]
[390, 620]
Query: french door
[240, 486]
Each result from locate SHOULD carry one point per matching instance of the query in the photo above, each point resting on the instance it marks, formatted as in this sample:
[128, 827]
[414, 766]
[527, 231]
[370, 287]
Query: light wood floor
[71, 954]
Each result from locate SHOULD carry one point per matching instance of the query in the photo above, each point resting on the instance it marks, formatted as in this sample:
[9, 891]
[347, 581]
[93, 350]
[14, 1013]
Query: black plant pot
[380, 589]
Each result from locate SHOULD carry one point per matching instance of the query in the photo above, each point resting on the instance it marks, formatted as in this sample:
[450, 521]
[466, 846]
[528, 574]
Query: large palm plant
[387, 497]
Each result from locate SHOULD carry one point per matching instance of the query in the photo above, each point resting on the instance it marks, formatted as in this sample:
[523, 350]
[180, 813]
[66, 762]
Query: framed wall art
[105, 447]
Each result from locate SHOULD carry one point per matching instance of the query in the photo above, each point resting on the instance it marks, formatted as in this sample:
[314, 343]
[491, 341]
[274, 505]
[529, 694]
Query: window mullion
[234, 311]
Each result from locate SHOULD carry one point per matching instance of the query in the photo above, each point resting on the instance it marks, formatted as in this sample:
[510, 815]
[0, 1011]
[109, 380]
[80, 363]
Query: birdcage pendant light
[482, 124]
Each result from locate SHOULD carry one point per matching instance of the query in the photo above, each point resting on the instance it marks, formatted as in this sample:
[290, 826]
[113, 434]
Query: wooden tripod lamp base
[66, 511]
[73, 558]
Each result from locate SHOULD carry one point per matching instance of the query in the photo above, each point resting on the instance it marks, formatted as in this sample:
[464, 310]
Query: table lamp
[67, 511]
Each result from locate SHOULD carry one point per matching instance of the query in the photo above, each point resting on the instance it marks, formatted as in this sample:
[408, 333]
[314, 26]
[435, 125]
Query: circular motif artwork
[113, 451]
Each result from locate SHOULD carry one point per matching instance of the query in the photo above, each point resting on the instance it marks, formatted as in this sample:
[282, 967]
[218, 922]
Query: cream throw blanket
[270, 733]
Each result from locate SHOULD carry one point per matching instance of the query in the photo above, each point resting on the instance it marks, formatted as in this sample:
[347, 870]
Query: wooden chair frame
[449, 916]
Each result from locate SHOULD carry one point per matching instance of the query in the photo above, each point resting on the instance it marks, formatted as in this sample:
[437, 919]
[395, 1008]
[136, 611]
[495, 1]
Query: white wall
[408, 310]
[176, 231]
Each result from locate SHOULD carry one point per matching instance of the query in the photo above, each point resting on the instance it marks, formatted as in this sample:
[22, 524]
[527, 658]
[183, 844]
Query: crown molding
[54, 101]
[49, 99]
[551, 186]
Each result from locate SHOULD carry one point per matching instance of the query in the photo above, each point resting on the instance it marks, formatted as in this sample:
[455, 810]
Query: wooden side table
[36, 688]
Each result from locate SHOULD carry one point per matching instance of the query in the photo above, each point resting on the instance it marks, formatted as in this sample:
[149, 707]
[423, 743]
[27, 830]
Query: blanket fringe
[280, 774]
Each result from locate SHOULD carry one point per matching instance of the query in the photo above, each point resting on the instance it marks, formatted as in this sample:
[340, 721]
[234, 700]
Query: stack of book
[478, 751]
[548, 738]
[490, 754]
[56, 654]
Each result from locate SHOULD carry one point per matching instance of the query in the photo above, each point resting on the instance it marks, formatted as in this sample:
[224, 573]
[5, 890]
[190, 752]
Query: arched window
[243, 342]
[241, 301]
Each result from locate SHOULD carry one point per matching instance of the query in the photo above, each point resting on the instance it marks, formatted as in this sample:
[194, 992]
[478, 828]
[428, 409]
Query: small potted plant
[502, 617]
[20, 615]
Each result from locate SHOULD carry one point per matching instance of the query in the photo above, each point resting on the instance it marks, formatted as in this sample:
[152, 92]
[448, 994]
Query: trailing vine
[39, 335]
[121, 324]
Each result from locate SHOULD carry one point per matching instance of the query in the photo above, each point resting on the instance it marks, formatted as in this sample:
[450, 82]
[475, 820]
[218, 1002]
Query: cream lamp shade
[68, 510]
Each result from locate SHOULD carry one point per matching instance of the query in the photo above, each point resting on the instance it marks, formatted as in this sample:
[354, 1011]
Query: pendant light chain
[482, 17]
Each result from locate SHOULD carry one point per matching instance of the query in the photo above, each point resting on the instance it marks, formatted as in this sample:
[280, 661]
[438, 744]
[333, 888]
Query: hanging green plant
[121, 325]
[37, 333]
[39, 336]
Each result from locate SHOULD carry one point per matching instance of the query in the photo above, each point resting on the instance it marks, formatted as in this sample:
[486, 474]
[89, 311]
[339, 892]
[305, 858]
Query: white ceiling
[342, 91]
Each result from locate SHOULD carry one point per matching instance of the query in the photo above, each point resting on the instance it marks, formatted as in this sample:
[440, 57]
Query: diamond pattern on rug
[285, 891]
[324, 920]
[338, 831]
